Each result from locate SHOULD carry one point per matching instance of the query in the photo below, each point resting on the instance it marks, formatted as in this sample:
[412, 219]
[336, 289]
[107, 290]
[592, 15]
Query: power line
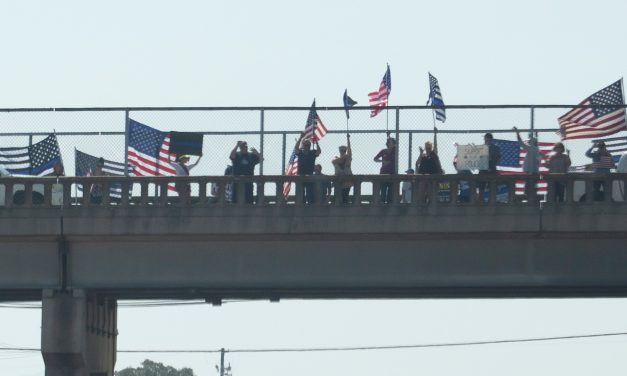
[165, 303]
[359, 348]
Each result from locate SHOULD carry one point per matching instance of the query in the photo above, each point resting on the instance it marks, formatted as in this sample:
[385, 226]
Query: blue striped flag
[435, 99]
[37, 159]
[85, 164]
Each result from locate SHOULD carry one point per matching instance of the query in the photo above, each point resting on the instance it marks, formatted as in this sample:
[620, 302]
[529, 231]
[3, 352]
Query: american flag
[435, 99]
[85, 164]
[148, 151]
[38, 159]
[379, 99]
[291, 170]
[314, 128]
[513, 157]
[596, 121]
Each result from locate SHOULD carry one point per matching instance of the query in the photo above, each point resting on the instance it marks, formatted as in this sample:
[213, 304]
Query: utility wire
[165, 303]
[360, 348]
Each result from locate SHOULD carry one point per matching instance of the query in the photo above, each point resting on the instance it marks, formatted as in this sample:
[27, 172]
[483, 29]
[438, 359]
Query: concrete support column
[79, 334]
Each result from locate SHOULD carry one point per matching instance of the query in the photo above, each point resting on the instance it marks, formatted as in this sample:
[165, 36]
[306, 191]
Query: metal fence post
[261, 138]
[397, 136]
[411, 134]
[283, 151]
[126, 132]
[532, 122]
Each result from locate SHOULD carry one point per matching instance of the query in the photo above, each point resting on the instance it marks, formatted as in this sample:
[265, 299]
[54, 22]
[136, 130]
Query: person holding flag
[306, 164]
[342, 165]
[531, 164]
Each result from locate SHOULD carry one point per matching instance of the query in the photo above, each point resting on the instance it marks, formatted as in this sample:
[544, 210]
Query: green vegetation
[150, 368]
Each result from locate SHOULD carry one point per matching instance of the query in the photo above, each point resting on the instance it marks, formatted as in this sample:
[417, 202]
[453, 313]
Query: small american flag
[513, 157]
[37, 159]
[379, 99]
[435, 99]
[314, 128]
[291, 170]
[148, 151]
[596, 121]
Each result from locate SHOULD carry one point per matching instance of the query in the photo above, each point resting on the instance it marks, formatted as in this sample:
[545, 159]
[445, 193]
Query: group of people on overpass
[306, 154]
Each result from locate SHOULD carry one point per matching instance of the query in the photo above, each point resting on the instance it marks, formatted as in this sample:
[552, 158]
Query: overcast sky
[284, 53]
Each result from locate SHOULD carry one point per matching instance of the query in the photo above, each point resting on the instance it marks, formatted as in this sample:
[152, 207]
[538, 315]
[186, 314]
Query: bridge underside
[317, 252]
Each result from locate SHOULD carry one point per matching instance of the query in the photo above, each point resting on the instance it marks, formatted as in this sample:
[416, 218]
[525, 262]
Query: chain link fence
[101, 132]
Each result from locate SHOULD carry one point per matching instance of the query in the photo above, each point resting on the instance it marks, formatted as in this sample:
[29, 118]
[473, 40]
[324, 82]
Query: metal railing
[211, 191]
[274, 128]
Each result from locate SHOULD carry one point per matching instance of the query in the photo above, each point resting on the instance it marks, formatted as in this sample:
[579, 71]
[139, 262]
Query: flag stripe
[379, 99]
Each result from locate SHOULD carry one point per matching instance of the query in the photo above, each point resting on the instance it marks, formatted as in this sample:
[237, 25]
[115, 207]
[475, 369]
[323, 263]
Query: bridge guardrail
[211, 191]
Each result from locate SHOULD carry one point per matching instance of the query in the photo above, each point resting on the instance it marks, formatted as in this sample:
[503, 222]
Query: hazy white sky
[284, 53]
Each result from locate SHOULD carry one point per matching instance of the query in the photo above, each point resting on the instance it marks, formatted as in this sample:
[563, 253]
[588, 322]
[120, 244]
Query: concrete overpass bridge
[79, 258]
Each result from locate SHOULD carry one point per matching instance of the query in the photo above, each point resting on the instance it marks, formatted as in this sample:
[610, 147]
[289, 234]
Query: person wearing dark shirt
[306, 164]
[428, 163]
[325, 186]
[494, 157]
[494, 154]
[387, 158]
[244, 163]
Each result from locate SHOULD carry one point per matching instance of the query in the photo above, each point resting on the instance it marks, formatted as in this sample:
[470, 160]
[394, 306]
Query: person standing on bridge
[602, 163]
[244, 163]
[533, 157]
[95, 191]
[559, 163]
[182, 169]
[428, 163]
[342, 165]
[494, 157]
[387, 158]
[306, 164]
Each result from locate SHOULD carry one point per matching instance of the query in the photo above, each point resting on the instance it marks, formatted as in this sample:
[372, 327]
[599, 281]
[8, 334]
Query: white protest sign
[472, 157]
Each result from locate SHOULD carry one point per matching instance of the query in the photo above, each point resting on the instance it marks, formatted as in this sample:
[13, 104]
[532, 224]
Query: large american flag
[85, 164]
[513, 157]
[435, 99]
[596, 121]
[290, 170]
[379, 99]
[148, 151]
[314, 128]
[37, 159]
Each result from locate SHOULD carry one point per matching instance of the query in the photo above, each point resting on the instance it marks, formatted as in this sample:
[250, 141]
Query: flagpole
[435, 130]
[76, 185]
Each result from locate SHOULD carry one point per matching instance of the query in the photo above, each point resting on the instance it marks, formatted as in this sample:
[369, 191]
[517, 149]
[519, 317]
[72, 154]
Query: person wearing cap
[602, 163]
[244, 163]
[342, 166]
[406, 188]
[182, 168]
[531, 165]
